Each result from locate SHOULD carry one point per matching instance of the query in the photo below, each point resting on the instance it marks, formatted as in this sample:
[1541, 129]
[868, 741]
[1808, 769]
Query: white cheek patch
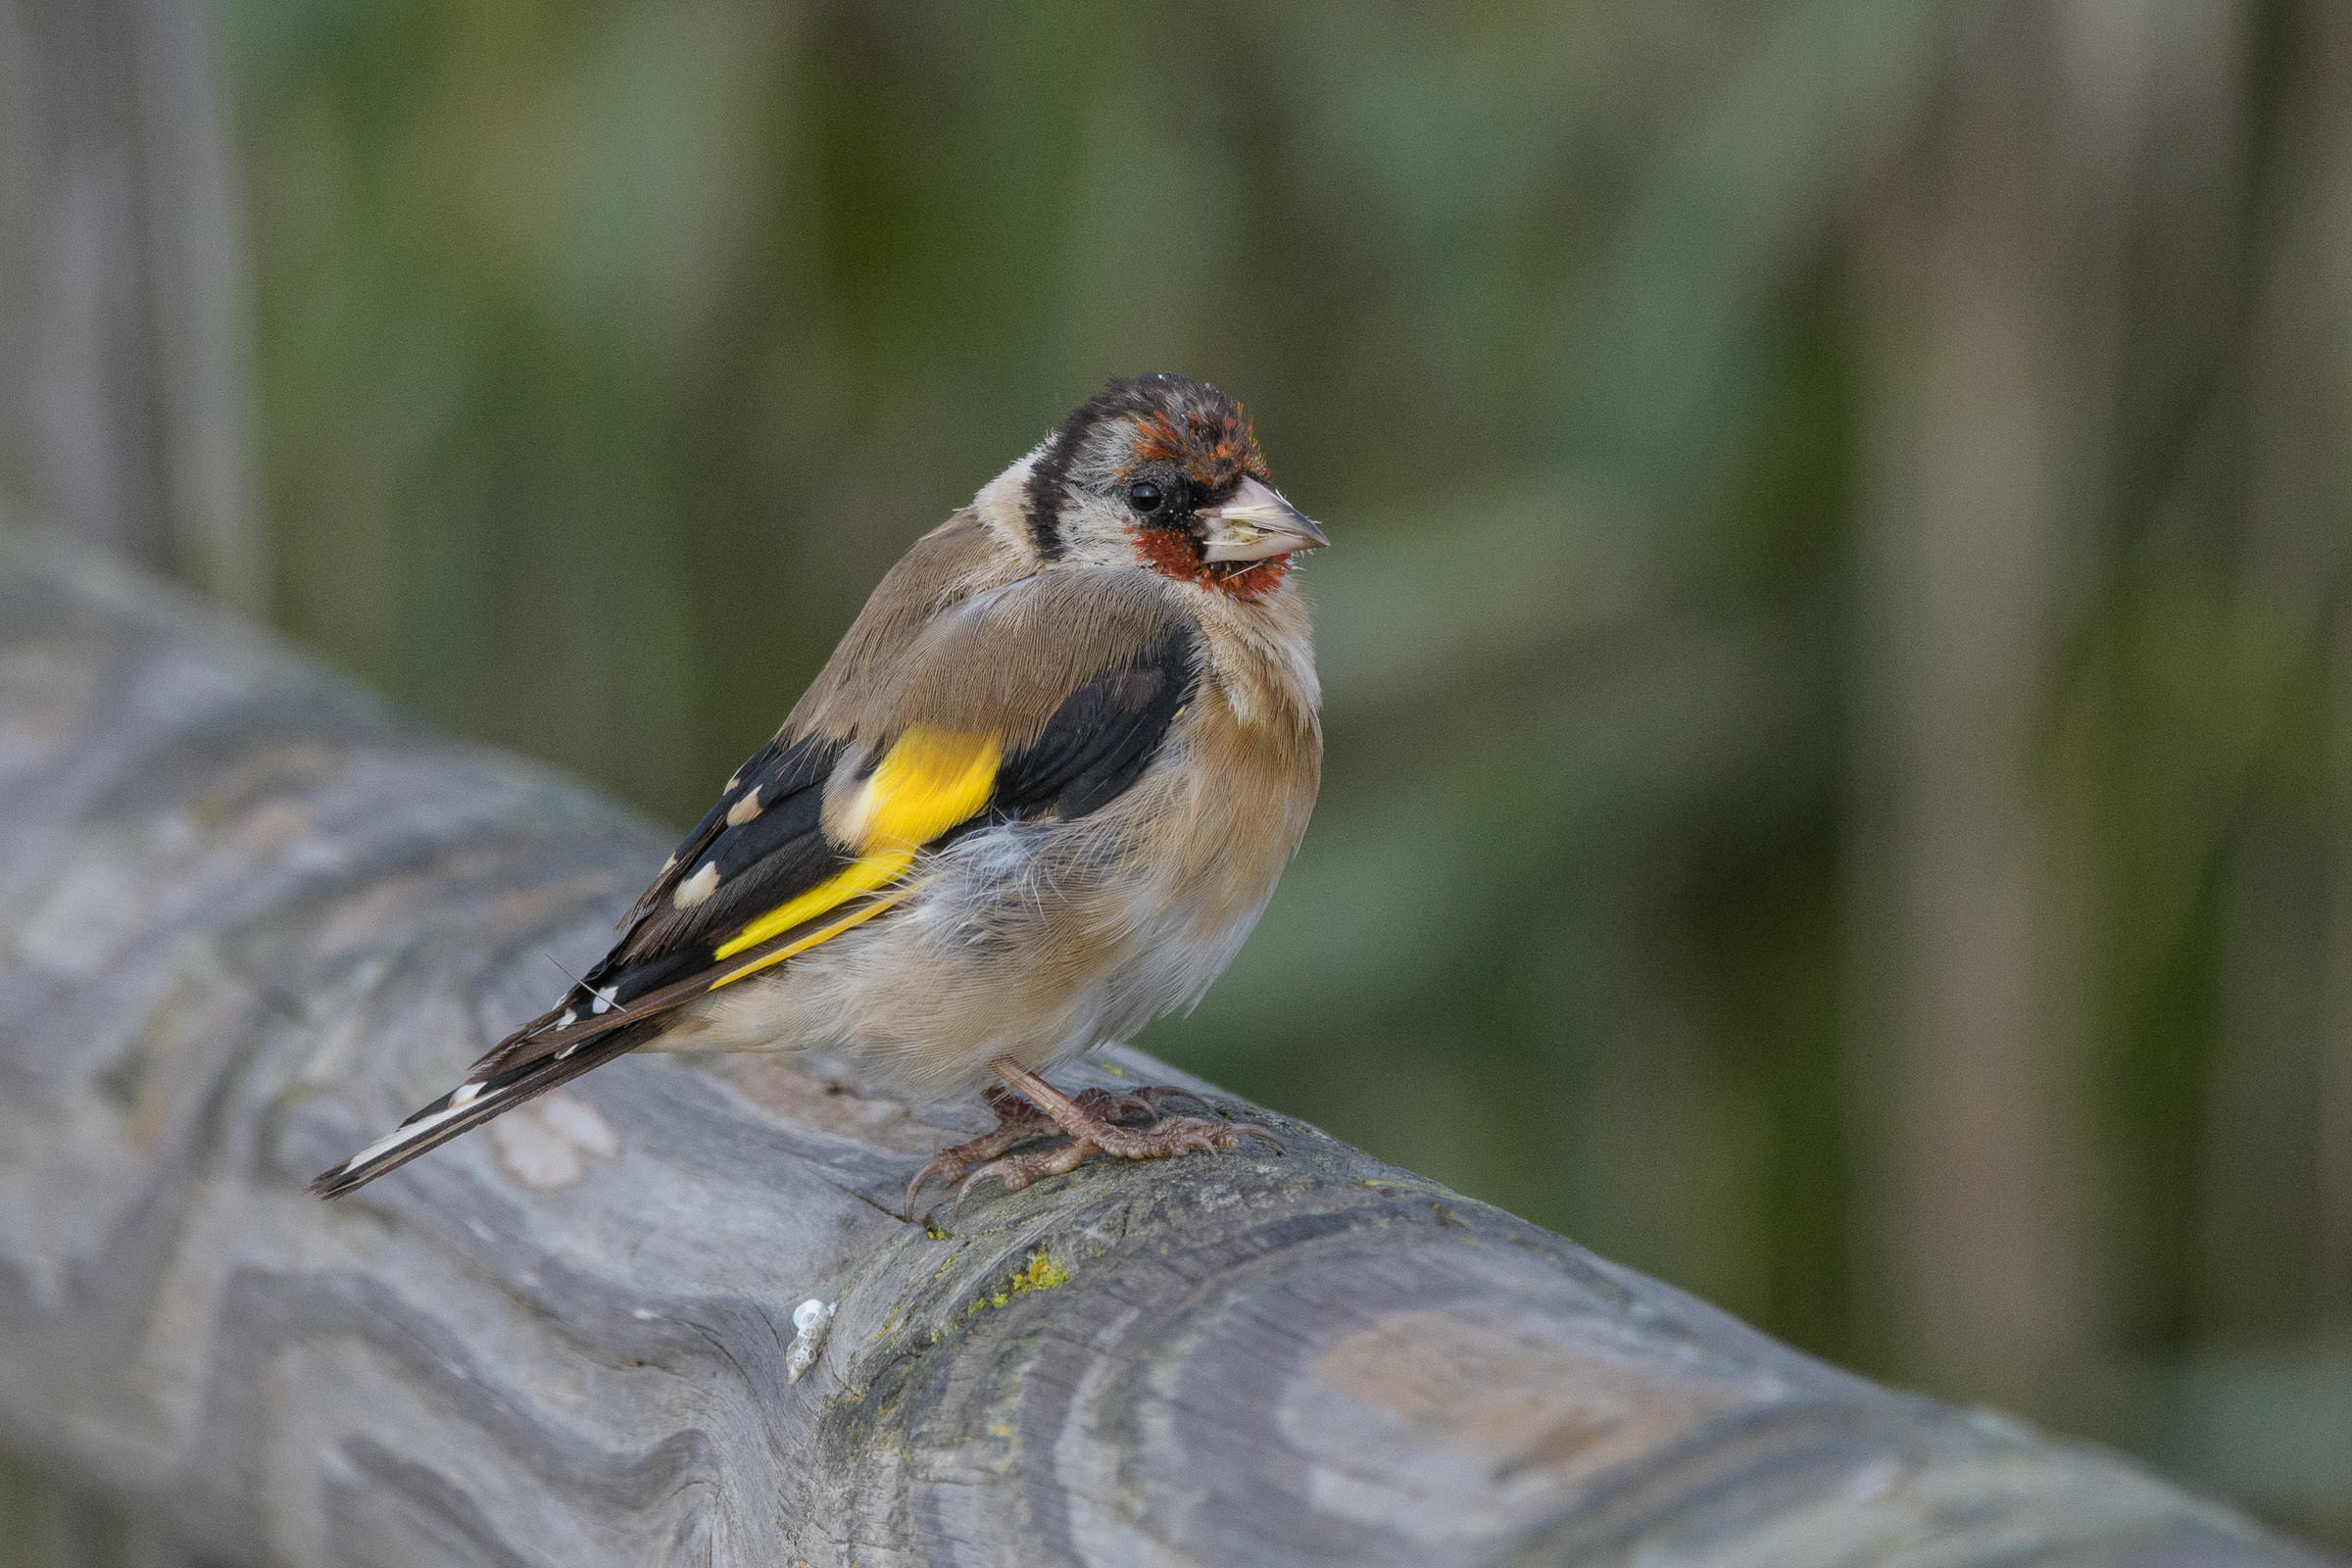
[1095, 531]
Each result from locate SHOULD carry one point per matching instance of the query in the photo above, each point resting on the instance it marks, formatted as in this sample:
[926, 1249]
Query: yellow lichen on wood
[1040, 1274]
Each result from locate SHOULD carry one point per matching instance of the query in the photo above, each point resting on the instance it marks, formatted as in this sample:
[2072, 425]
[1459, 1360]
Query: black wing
[1100, 737]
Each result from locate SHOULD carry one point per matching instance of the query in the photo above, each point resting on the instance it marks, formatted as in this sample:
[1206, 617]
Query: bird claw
[952, 1162]
[1172, 1138]
[942, 1164]
[1093, 1122]
[1250, 1129]
[1017, 1122]
[1017, 1171]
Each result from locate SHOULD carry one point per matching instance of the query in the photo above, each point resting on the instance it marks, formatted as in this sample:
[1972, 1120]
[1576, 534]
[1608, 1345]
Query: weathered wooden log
[251, 919]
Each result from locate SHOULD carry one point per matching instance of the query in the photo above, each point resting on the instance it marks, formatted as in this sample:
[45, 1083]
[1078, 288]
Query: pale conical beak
[1254, 524]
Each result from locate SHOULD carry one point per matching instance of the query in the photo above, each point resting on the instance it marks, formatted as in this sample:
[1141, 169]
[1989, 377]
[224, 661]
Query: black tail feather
[437, 1123]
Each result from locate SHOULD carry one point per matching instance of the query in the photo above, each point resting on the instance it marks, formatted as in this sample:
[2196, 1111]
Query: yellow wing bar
[930, 781]
[854, 917]
[861, 875]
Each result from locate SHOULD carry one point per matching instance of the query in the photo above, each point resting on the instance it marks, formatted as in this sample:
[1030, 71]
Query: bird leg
[1092, 1133]
[1018, 1121]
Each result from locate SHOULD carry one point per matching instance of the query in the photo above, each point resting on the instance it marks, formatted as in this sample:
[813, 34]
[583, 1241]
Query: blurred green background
[1839, 684]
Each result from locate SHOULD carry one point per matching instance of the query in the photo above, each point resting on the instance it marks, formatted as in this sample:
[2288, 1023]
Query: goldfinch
[1039, 795]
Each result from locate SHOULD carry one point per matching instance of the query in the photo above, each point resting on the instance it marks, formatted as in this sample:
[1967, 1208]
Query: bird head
[1164, 473]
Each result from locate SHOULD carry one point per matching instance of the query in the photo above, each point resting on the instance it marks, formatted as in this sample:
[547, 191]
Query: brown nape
[1091, 1120]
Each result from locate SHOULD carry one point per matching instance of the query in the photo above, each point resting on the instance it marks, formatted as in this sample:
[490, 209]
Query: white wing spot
[697, 887]
[465, 1095]
[568, 1019]
[744, 810]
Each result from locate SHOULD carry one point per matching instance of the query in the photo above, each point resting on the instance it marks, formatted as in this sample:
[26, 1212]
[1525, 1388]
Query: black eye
[1143, 496]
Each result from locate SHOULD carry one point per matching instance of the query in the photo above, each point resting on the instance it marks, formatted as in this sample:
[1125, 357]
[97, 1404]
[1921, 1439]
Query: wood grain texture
[251, 919]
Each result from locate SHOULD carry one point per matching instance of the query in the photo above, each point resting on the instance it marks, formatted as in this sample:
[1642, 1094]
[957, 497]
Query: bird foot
[1164, 1139]
[1092, 1133]
[1018, 1121]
